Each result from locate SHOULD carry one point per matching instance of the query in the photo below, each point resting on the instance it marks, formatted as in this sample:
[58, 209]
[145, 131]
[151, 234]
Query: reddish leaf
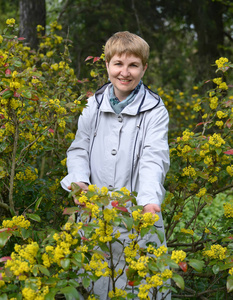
[16, 95]
[5, 258]
[229, 123]
[183, 265]
[21, 39]
[122, 208]
[88, 58]
[229, 152]
[89, 94]
[96, 59]
[131, 282]
[114, 203]
[2, 116]
[7, 71]
[2, 92]
[51, 130]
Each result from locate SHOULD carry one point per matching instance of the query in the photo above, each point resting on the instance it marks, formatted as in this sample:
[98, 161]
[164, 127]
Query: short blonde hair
[129, 43]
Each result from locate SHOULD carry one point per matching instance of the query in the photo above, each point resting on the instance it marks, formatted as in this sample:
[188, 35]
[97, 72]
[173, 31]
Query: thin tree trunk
[32, 13]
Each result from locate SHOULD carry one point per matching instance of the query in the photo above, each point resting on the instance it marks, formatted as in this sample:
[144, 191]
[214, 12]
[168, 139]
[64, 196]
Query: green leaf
[128, 222]
[86, 282]
[144, 231]
[27, 94]
[44, 270]
[78, 256]
[51, 295]
[7, 94]
[73, 282]
[34, 217]
[196, 264]
[65, 263]
[153, 267]
[178, 280]
[3, 297]
[4, 237]
[38, 203]
[229, 284]
[17, 63]
[70, 293]
[171, 263]
[215, 269]
[160, 235]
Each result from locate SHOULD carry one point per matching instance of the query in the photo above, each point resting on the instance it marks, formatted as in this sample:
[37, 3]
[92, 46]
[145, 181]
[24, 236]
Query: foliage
[39, 94]
[40, 99]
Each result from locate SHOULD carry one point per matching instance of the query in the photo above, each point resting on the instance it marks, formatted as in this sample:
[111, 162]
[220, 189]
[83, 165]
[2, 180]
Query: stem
[112, 268]
[13, 164]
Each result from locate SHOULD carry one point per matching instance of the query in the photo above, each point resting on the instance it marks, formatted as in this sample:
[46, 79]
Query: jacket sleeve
[78, 153]
[154, 161]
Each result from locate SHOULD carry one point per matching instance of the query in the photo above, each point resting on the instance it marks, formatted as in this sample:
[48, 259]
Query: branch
[5, 206]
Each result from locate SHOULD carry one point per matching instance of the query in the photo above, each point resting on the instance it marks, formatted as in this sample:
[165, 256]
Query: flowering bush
[45, 254]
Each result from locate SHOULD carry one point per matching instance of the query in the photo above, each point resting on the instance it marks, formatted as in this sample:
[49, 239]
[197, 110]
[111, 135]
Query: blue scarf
[118, 105]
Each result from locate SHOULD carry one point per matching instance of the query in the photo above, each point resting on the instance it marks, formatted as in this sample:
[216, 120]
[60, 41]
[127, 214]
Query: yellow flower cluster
[104, 232]
[54, 254]
[131, 251]
[157, 252]
[231, 271]
[229, 170]
[23, 259]
[153, 281]
[117, 293]
[213, 102]
[178, 216]
[216, 252]
[201, 192]
[221, 62]
[221, 114]
[38, 294]
[19, 221]
[140, 265]
[220, 84]
[98, 265]
[187, 231]
[10, 21]
[189, 171]
[228, 210]
[27, 175]
[178, 255]
[216, 140]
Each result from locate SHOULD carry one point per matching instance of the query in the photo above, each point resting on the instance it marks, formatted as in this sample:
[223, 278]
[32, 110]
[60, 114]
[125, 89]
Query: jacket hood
[145, 100]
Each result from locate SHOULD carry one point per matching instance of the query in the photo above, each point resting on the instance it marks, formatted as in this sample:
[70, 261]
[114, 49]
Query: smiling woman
[122, 142]
[125, 73]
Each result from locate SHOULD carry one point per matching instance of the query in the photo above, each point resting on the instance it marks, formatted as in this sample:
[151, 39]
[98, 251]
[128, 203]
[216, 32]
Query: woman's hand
[152, 208]
[83, 186]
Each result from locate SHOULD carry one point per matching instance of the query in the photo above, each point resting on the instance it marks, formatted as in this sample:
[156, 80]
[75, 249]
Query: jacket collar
[145, 100]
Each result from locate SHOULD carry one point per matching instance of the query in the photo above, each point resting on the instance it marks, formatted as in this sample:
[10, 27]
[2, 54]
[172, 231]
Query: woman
[122, 134]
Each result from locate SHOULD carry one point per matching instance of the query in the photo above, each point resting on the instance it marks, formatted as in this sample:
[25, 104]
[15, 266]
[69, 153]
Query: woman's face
[125, 72]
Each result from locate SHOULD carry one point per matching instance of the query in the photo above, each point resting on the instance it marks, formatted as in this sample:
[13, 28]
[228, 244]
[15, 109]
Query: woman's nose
[125, 71]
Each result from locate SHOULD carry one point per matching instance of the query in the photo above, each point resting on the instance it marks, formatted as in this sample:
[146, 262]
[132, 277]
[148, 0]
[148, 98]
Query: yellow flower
[178, 255]
[188, 231]
[228, 210]
[1, 39]
[221, 62]
[216, 252]
[229, 170]
[10, 21]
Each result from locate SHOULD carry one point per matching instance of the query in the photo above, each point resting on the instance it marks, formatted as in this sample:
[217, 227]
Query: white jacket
[126, 150]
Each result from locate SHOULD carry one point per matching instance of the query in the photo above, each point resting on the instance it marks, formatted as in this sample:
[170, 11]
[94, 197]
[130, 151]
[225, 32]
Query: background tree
[32, 13]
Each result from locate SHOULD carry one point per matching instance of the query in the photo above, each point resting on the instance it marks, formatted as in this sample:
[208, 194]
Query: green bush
[40, 101]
